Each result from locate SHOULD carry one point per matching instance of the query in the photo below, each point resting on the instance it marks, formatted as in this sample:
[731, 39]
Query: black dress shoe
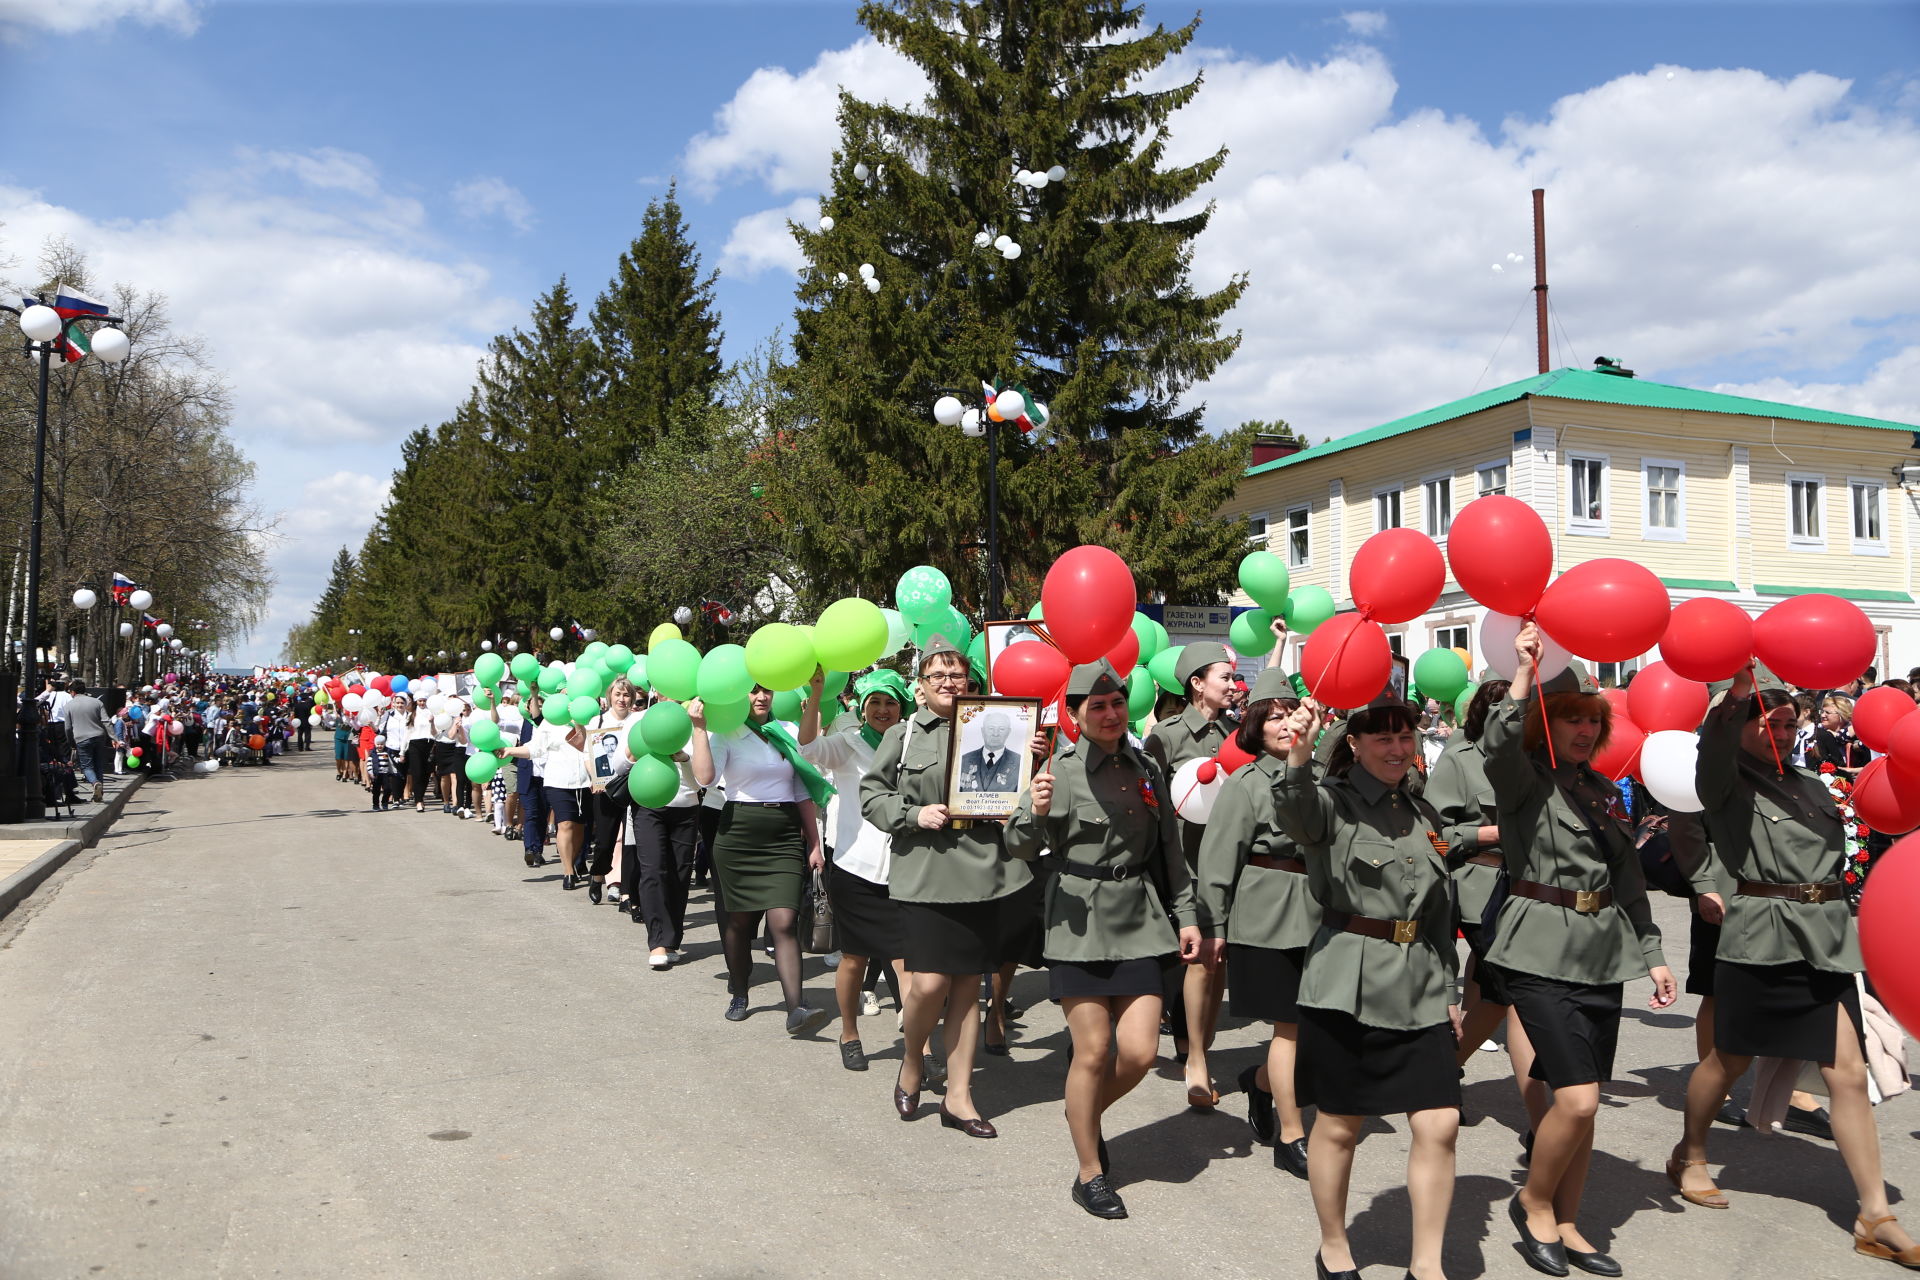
[978, 1127]
[533, 859]
[1098, 1199]
[906, 1104]
[1320, 1270]
[996, 1050]
[852, 1055]
[1261, 1116]
[1812, 1121]
[1731, 1116]
[596, 891]
[1549, 1257]
[569, 881]
[1594, 1264]
[1291, 1156]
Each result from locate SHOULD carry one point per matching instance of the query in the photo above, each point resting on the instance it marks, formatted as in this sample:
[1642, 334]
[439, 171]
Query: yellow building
[1719, 495]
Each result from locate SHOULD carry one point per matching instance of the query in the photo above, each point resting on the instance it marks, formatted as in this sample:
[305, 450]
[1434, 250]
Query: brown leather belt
[1400, 931]
[1827, 891]
[1295, 865]
[1486, 860]
[1586, 901]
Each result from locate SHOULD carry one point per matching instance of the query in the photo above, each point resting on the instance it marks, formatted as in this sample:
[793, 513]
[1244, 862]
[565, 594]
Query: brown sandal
[1711, 1198]
[1908, 1257]
[1202, 1097]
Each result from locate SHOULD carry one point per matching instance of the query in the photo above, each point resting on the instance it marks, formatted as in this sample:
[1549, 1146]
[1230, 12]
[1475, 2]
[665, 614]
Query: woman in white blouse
[558, 752]
[769, 831]
[606, 748]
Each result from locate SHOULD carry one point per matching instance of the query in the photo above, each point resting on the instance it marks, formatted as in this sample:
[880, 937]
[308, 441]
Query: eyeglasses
[945, 677]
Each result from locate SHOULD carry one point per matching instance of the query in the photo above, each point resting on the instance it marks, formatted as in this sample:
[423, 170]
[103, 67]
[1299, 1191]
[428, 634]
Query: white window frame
[1868, 546]
[1480, 489]
[1427, 506]
[1399, 507]
[1439, 630]
[1259, 539]
[1305, 510]
[1648, 529]
[1581, 525]
[1808, 542]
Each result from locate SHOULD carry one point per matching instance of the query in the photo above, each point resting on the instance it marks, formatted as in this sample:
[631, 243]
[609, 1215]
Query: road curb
[16, 887]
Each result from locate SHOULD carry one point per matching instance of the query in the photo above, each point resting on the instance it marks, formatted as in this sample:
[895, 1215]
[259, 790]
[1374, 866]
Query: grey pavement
[259, 1031]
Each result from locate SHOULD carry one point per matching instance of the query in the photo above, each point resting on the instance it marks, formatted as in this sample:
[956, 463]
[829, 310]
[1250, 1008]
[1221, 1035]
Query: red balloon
[1621, 756]
[1126, 655]
[1230, 757]
[1501, 553]
[1876, 714]
[1888, 941]
[1617, 699]
[1607, 610]
[1088, 602]
[1903, 752]
[1347, 661]
[1031, 669]
[1660, 699]
[383, 684]
[1396, 576]
[1707, 639]
[1816, 641]
[1885, 802]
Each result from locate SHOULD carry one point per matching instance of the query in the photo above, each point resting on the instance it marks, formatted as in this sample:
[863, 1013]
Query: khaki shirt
[1459, 790]
[1248, 905]
[1693, 855]
[1369, 853]
[1570, 842]
[1108, 810]
[953, 864]
[1778, 831]
[1188, 736]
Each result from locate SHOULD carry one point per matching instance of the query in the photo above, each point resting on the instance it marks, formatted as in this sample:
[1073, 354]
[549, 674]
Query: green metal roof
[1596, 388]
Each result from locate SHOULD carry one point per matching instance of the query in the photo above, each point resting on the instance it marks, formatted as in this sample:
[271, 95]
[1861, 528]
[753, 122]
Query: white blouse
[561, 764]
[859, 847]
[752, 770]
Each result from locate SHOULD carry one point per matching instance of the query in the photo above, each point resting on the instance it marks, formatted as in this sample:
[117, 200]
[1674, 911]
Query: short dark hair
[1251, 736]
[1391, 717]
[1489, 693]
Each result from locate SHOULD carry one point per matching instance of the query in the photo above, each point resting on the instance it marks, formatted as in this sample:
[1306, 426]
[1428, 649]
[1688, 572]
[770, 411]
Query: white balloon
[126, 629]
[970, 423]
[860, 171]
[350, 703]
[1057, 174]
[146, 643]
[314, 719]
[1022, 176]
[839, 277]
[873, 286]
[1497, 634]
[142, 599]
[1668, 761]
[1192, 798]
[486, 646]
[424, 687]
[164, 630]
[947, 411]
[442, 722]
[826, 224]
[556, 634]
[85, 599]
[176, 644]
[437, 703]
[1002, 240]
[866, 271]
[1011, 251]
[1037, 181]
[982, 239]
[378, 701]
[683, 615]
[513, 646]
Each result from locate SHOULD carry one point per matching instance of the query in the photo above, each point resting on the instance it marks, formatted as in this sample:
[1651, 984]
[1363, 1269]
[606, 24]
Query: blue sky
[347, 200]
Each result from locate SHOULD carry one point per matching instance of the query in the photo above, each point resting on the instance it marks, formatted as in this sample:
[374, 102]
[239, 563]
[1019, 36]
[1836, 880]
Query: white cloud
[494, 198]
[67, 17]
[1365, 23]
[761, 242]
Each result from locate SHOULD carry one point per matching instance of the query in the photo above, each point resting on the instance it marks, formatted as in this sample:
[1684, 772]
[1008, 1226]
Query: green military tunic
[1694, 857]
[1369, 853]
[966, 863]
[1110, 809]
[1569, 841]
[1247, 905]
[1777, 831]
[1188, 736]
[1460, 792]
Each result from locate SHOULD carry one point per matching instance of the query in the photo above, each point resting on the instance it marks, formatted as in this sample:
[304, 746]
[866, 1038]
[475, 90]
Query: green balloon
[637, 673]
[899, 631]
[786, 705]
[134, 762]
[483, 698]
[582, 710]
[619, 658]
[1162, 668]
[653, 783]
[1264, 576]
[922, 592]
[552, 677]
[977, 653]
[554, 711]
[778, 656]
[1251, 634]
[831, 686]
[1152, 641]
[489, 668]
[948, 624]
[725, 717]
[525, 667]
[585, 682]
[1441, 673]
[1465, 700]
[1141, 693]
[723, 675]
[851, 634]
[1037, 613]
[674, 668]
[593, 651]
[484, 734]
[1307, 608]
[481, 768]
[663, 730]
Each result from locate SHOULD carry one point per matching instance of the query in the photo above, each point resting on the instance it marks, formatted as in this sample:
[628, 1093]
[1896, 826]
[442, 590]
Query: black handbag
[816, 916]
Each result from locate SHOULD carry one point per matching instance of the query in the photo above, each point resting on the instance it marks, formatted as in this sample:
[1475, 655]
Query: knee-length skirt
[759, 855]
[1107, 979]
[1574, 1026]
[866, 921]
[1348, 1068]
[1781, 1010]
[1264, 982]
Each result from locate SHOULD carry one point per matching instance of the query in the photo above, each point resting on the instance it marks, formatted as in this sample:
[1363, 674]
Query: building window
[1257, 528]
[1615, 675]
[1438, 495]
[1806, 523]
[1386, 509]
[1397, 643]
[1299, 541]
[1453, 637]
[1867, 502]
[1493, 479]
[1665, 481]
[1587, 493]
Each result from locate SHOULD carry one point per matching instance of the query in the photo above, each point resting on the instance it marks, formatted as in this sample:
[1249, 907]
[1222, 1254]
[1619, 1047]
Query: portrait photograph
[989, 766]
[1008, 632]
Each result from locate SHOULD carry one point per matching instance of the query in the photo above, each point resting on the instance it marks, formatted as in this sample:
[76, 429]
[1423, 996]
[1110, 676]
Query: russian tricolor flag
[123, 587]
[70, 302]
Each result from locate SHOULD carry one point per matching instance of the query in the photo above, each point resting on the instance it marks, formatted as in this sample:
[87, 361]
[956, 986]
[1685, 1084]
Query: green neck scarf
[870, 735]
[775, 736]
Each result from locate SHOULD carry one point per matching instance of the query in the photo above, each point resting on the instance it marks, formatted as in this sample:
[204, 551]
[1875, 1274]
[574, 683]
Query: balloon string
[1778, 768]
[1546, 727]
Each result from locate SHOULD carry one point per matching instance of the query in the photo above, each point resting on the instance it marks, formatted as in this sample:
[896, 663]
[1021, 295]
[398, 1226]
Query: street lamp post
[43, 336]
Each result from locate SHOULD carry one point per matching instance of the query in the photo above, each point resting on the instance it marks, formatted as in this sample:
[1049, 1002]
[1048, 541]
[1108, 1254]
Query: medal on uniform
[1147, 796]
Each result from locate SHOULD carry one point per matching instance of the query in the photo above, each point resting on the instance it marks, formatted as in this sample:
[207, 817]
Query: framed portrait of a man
[1008, 632]
[989, 766]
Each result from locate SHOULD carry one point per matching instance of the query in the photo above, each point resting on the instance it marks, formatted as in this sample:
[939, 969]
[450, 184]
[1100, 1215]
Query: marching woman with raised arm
[1101, 810]
[1784, 980]
[1575, 925]
[1377, 1020]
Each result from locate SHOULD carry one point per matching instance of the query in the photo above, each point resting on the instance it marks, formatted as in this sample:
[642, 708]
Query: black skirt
[952, 937]
[866, 922]
[1073, 979]
[1781, 1010]
[1703, 944]
[1264, 982]
[1493, 989]
[1574, 1026]
[1023, 923]
[448, 757]
[1350, 1069]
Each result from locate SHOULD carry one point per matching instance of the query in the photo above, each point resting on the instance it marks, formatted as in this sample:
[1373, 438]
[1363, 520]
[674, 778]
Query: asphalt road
[260, 1031]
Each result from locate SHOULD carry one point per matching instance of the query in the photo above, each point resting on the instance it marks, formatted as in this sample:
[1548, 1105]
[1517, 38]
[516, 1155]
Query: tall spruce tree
[1097, 315]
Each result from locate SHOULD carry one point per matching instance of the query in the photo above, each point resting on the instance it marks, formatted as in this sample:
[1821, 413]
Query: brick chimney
[1267, 448]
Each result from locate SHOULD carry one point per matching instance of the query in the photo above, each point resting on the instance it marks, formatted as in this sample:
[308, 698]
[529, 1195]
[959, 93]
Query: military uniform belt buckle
[1119, 872]
[961, 824]
[1405, 931]
[1586, 901]
[1813, 893]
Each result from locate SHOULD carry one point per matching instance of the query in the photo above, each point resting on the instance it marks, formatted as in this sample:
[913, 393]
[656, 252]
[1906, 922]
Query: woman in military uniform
[1376, 992]
[950, 882]
[1205, 673]
[1102, 810]
[1257, 910]
[1574, 926]
[1784, 981]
